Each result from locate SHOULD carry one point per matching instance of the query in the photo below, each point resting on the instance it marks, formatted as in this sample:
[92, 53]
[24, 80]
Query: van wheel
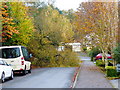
[29, 71]
[24, 72]
[12, 75]
[3, 78]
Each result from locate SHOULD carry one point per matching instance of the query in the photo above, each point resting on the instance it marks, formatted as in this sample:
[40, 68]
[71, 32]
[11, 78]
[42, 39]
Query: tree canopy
[17, 25]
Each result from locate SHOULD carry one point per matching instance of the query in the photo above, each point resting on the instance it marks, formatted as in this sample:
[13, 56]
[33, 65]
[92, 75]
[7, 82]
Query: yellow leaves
[87, 22]
[95, 17]
[100, 21]
[7, 24]
[3, 9]
[22, 25]
[7, 21]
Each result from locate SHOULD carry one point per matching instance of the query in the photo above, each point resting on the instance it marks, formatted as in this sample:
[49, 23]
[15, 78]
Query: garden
[108, 67]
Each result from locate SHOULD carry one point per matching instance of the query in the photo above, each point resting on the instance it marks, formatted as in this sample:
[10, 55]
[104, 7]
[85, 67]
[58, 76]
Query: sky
[68, 4]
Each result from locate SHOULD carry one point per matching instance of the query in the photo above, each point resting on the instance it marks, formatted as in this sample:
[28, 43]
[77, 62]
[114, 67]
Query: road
[43, 78]
[84, 57]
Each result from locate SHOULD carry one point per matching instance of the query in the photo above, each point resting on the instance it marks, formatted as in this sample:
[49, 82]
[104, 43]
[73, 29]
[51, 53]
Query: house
[76, 47]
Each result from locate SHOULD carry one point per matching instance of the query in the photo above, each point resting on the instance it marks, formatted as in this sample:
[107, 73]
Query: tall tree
[54, 25]
[99, 22]
[8, 26]
[24, 23]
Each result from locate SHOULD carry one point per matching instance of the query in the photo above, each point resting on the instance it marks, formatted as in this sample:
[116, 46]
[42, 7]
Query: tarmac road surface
[59, 77]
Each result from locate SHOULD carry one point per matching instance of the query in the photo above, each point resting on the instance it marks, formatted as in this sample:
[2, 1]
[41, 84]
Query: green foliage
[111, 71]
[69, 14]
[84, 48]
[110, 67]
[42, 51]
[93, 22]
[52, 28]
[93, 52]
[46, 55]
[54, 25]
[23, 23]
[116, 52]
[8, 26]
[68, 59]
[100, 63]
[68, 47]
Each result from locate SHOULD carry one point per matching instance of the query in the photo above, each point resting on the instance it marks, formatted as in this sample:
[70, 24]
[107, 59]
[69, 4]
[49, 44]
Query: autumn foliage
[8, 28]
[17, 26]
[97, 24]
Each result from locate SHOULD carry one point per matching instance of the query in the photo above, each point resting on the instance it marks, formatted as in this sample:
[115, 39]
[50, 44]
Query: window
[9, 53]
[25, 53]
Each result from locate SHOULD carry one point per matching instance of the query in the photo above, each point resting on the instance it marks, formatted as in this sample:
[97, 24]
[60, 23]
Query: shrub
[100, 63]
[68, 47]
[93, 52]
[111, 71]
[68, 58]
[46, 55]
[116, 52]
[110, 67]
[84, 48]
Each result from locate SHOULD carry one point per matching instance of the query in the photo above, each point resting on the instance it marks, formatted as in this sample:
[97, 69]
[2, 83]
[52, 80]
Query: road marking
[75, 78]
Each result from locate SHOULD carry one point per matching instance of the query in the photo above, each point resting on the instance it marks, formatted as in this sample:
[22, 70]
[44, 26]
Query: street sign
[118, 67]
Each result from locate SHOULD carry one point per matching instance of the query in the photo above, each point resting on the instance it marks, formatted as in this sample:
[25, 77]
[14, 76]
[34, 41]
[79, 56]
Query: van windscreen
[9, 53]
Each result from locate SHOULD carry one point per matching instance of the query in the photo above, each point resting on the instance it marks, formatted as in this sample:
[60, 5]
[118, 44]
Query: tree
[24, 23]
[52, 29]
[116, 53]
[70, 14]
[0, 25]
[17, 26]
[98, 20]
[8, 26]
[53, 25]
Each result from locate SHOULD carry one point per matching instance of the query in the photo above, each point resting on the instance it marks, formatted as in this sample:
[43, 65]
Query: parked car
[99, 56]
[18, 57]
[6, 71]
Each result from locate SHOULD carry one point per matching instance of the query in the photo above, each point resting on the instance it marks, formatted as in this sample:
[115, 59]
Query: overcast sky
[68, 4]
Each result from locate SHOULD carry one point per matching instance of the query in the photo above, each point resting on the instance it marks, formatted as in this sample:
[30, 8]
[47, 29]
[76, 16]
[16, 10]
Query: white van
[17, 56]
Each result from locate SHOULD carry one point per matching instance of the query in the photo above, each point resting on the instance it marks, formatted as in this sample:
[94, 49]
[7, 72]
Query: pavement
[90, 76]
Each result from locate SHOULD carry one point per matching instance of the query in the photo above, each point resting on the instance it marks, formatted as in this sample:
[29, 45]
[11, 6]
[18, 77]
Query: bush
[116, 52]
[111, 71]
[68, 58]
[110, 67]
[84, 48]
[100, 63]
[93, 52]
[62, 59]
[46, 55]
[68, 47]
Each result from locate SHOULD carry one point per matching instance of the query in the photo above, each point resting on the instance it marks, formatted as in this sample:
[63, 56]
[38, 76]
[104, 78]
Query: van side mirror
[30, 55]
